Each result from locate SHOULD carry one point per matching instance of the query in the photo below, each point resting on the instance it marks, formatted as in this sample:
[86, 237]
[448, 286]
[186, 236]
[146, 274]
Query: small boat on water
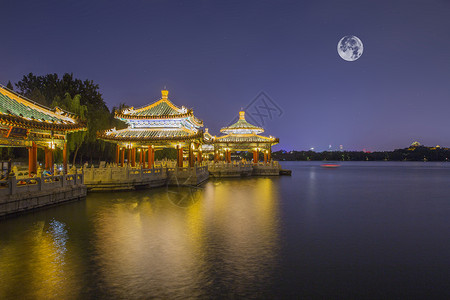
[286, 172]
[330, 165]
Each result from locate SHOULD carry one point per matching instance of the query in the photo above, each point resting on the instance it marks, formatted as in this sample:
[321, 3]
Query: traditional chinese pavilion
[24, 123]
[155, 126]
[243, 136]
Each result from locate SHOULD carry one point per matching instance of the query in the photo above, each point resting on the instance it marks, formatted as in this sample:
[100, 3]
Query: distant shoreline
[413, 153]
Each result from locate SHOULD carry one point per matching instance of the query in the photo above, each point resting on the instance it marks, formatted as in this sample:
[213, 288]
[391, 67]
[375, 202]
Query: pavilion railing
[14, 185]
[272, 164]
[186, 170]
[238, 166]
[114, 173]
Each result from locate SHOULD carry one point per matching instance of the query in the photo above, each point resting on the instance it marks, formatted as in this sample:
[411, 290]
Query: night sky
[217, 56]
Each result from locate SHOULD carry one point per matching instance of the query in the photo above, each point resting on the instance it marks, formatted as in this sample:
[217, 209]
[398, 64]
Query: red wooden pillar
[216, 156]
[46, 157]
[143, 158]
[129, 156]
[269, 155]
[255, 156]
[49, 159]
[140, 157]
[199, 156]
[117, 154]
[191, 156]
[32, 159]
[133, 157]
[122, 161]
[228, 156]
[265, 157]
[35, 162]
[179, 156]
[65, 158]
[151, 157]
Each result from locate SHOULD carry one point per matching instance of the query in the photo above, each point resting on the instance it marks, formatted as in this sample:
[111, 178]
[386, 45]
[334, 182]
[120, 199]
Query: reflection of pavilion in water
[156, 248]
[46, 273]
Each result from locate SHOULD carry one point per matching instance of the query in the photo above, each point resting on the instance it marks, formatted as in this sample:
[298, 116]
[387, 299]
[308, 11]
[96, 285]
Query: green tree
[74, 139]
[51, 90]
[10, 86]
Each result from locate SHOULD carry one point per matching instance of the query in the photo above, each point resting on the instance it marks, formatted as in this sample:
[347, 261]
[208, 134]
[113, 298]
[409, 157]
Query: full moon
[350, 48]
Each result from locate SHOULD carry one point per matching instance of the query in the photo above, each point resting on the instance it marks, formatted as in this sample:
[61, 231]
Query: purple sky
[217, 56]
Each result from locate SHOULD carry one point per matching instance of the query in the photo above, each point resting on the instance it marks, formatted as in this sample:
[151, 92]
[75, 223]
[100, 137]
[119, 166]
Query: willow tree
[47, 88]
[74, 139]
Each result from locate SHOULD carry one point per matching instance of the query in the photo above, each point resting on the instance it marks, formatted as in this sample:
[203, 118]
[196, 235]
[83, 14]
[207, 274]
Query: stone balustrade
[238, 169]
[22, 194]
[187, 175]
[113, 177]
[112, 173]
[16, 185]
[266, 169]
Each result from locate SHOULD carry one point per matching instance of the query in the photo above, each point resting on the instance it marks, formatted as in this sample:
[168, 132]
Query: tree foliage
[407, 154]
[10, 86]
[87, 103]
[74, 139]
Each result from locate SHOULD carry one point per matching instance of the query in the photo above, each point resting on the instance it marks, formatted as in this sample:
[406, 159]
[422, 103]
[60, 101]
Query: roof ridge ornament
[164, 93]
[242, 115]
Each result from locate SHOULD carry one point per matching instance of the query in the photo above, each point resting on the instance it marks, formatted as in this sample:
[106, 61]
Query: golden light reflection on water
[148, 244]
[46, 275]
[231, 228]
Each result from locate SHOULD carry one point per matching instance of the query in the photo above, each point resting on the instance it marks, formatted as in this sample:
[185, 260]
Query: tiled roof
[250, 138]
[161, 109]
[148, 134]
[15, 110]
[243, 125]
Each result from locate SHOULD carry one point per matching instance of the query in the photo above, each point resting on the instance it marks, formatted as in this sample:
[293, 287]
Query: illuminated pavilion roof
[133, 134]
[248, 138]
[17, 111]
[243, 132]
[242, 126]
[161, 109]
[157, 122]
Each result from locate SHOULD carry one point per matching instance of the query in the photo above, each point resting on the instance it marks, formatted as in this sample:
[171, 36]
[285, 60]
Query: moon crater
[350, 48]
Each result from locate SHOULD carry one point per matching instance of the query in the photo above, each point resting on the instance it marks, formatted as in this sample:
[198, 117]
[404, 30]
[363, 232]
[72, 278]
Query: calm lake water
[363, 230]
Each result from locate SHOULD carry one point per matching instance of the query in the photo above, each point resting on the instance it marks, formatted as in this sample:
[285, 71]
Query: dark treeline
[420, 153]
[81, 97]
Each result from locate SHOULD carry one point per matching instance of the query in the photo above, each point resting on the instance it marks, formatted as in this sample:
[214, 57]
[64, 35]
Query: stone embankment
[22, 194]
